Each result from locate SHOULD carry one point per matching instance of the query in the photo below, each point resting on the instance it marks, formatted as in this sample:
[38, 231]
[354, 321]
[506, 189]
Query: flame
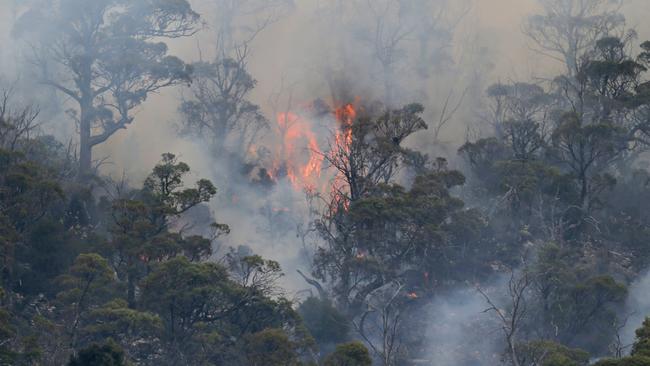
[300, 155]
[343, 139]
[298, 139]
[412, 295]
[346, 116]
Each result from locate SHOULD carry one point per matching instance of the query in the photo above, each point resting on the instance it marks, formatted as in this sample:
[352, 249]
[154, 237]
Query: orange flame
[300, 157]
[298, 138]
[412, 295]
[345, 115]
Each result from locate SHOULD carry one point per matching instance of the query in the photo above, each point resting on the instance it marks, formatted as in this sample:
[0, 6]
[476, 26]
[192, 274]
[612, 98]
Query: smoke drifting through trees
[319, 123]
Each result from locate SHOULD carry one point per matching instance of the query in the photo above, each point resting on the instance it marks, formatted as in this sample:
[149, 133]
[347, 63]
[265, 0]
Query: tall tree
[86, 285]
[349, 354]
[376, 231]
[210, 319]
[219, 109]
[640, 354]
[388, 29]
[238, 22]
[108, 354]
[142, 224]
[107, 57]
[567, 29]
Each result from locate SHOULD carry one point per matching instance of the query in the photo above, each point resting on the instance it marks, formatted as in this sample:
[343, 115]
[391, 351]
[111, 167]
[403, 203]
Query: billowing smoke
[441, 53]
[461, 332]
[636, 310]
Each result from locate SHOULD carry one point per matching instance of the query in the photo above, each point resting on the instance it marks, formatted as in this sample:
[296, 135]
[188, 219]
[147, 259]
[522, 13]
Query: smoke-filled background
[443, 54]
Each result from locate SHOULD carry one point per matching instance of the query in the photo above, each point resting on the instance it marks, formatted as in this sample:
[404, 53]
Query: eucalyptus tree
[401, 33]
[141, 229]
[218, 108]
[567, 29]
[238, 22]
[376, 230]
[106, 57]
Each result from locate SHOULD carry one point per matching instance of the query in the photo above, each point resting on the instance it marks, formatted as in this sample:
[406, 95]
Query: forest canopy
[343, 183]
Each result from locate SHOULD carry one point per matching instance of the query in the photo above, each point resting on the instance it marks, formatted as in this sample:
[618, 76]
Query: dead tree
[511, 318]
[239, 22]
[567, 29]
[380, 323]
[16, 125]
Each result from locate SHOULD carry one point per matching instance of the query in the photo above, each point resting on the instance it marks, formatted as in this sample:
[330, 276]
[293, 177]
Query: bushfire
[298, 141]
[303, 150]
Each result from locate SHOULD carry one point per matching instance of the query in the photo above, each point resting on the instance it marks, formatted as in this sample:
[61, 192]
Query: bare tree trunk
[584, 191]
[85, 122]
[511, 319]
[85, 148]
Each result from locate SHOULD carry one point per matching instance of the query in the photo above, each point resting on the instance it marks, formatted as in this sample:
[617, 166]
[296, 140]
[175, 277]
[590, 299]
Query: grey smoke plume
[460, 332]
[637, 309]
[316, 49]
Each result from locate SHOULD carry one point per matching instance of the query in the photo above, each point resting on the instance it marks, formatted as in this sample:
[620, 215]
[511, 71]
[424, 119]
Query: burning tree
[299, 157]
[376, 231]
[366, 152]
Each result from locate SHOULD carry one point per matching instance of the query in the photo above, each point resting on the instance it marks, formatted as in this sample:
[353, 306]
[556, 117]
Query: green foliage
[252, 271]
[548, 353]
[325, 323]
[164, 187]
[136, 332]
[140, 229]
[627, 221]
[573, 301]
[201, 306]
[108, 354]
[349, 354]
[28, 192]
[88, 277]
[642, 344]
[390, 229]
[116, 61]
[627, 361]
[186, 294]
[150, 288]
[270, 347]
[7, 332]
[88, 283]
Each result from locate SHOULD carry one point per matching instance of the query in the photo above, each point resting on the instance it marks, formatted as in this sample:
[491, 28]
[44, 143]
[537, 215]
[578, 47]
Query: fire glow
[301, 156]
[298, 137]
[412, 295]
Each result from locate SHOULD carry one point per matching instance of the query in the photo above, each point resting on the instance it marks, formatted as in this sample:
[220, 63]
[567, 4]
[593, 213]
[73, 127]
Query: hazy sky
[285, 51]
